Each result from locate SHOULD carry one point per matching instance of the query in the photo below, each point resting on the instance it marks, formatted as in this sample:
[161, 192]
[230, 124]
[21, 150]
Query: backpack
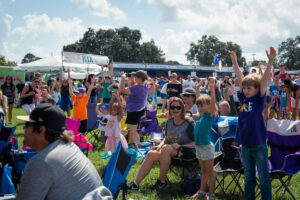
[192, 183]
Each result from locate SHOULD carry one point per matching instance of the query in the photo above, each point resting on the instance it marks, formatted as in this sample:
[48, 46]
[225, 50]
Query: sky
[43, 27]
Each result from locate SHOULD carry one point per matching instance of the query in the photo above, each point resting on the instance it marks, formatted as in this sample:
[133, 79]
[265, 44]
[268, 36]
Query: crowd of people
[189, 104]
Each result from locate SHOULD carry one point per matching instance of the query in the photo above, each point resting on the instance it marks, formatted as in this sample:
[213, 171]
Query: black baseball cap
[48, 115]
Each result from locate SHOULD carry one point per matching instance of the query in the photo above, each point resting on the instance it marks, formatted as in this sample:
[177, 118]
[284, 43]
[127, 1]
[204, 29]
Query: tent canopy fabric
[53, 63]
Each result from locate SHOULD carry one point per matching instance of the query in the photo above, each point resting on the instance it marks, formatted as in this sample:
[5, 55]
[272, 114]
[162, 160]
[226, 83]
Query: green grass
[175, 190]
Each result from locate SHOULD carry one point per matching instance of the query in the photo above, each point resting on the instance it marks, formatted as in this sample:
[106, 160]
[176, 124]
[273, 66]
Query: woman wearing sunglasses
[189, 98]
[9, 90]
[28, 94]
[179, 133]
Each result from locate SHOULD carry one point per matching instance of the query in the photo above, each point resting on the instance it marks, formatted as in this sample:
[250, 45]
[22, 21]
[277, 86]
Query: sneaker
[159, 185]
[133, 186]
[200, 195]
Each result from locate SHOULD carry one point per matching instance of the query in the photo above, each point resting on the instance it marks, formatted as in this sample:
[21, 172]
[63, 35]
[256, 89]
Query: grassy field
[175, 190]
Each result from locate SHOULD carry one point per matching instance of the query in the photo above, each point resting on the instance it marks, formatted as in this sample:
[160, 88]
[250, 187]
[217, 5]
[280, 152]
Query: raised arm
[212, 84]
[198, 87]
[60, 77]
[91, 86]
[236, 68]
[70, 81]
[111, 70]
[267, 73]
[69, 75]
[97, 109]
[102, 73]
[122, 85]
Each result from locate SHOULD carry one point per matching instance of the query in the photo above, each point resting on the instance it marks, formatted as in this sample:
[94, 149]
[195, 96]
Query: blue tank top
[29, 99]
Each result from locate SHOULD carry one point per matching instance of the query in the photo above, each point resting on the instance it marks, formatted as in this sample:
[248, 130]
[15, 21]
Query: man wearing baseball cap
[59, 170]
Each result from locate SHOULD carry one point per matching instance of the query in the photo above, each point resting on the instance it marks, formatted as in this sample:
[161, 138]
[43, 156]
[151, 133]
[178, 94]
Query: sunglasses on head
[175, 107]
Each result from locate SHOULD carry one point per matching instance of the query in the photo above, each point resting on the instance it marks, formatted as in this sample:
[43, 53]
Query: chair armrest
[291, 163]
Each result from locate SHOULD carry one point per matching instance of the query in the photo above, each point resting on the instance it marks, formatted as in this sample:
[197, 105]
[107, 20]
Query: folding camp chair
[79, 139]
[92, 116]
[148, 124]
[6, 134]
[188, 162]
[116, 171]
[19, 161]
[230, 165]
[284, 161]
[223, 127]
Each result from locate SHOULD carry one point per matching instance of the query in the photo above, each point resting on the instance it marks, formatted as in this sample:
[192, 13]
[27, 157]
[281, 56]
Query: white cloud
[104, 27]
[101, 8]
[253, 24]
[35, 24]
[175, 44]
[145, 36]
[5, 26]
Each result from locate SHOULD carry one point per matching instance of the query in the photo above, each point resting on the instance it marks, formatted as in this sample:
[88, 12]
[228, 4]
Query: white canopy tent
[53, 63]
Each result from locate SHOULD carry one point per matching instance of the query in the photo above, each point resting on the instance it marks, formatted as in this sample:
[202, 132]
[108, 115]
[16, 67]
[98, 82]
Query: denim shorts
[163, 96]
[205, 152]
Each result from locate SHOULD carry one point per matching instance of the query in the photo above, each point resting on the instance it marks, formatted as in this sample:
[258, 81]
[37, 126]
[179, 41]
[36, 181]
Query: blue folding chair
[116, 171]
[6, 134]
[218, 133]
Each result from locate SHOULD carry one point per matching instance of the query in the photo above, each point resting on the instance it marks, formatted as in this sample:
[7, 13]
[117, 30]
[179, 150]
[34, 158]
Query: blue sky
[42, 27]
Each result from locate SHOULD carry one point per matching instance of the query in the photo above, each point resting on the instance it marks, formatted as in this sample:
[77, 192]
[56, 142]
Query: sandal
[211, 196]
[200, 195]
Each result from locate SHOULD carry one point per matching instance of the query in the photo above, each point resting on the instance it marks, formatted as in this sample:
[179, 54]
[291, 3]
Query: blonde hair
[205, 100]
[118, 107]
[176, 99]
[3, 101]
[251, 80]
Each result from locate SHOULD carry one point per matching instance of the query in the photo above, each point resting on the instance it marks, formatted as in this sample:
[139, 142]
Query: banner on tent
[72, 57]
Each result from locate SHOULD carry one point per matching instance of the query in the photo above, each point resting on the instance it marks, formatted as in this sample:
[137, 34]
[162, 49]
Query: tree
[121, 45]
[173, 62]
[4, 62]
[210, 46]
[29, 57]
[289, 52]
[150, 53]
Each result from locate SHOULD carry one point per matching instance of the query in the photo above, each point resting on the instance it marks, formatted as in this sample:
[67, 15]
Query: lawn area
[175, 190]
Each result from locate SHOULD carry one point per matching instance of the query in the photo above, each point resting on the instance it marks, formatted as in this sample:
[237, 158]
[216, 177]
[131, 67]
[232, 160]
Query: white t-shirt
[164, 89]
[189, 84]
[235, 96]
[102, 121]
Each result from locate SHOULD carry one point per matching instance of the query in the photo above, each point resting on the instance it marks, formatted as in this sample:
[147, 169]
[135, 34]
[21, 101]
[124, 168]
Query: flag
[220, 65]
[217, 60]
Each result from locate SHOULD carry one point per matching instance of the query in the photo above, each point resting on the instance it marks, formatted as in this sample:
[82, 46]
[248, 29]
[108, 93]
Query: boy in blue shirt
[251, 131]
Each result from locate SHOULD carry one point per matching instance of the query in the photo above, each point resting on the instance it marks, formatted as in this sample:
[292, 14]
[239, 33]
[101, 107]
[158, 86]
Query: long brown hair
[176, 99]
[3, 101]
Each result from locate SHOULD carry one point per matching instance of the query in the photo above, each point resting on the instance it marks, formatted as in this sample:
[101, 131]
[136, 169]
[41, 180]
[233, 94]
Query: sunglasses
[187, 95]
[175, 107]
[27, 124]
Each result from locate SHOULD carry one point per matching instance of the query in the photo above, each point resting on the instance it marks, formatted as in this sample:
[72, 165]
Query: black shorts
[83, 126]
[133, 118]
